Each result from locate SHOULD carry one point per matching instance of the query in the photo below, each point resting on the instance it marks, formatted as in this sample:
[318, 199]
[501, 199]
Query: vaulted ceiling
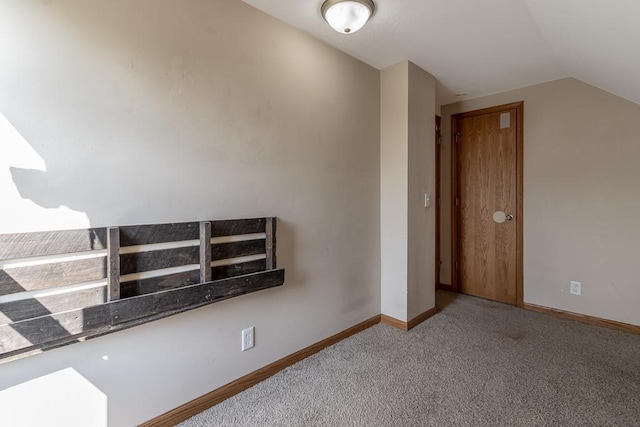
[489, 46]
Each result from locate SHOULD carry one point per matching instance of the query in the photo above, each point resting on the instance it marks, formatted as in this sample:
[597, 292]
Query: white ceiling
[480, 47]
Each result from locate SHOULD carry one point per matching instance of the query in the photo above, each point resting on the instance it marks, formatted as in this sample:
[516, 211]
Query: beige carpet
[476, 363]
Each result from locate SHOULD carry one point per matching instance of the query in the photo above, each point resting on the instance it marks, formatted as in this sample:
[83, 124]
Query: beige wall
[126, 112]
[422, 220]
[407, 172]
[394, 188]
[581, 199]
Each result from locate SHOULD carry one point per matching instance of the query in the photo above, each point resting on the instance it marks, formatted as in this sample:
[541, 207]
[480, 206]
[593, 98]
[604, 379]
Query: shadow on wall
[129, 124]
[61, 171]
[27, 187]
[21, 309]
[72, 118]
[33, 184]
[125, 103]
[64, 397]
[19, 187]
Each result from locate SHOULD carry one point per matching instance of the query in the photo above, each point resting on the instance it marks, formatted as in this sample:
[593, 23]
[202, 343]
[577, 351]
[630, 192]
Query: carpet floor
[475, 363]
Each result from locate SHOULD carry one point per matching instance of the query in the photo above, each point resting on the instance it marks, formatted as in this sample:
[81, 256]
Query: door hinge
[457, 202]
[457, 265]
[458, 138]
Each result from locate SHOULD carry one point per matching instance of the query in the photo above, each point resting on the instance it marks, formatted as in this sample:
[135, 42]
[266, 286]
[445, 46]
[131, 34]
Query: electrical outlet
[247, 338]
[575, 288]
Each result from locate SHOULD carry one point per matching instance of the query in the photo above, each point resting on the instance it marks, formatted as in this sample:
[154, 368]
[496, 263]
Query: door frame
[438, 144]
[455, 194]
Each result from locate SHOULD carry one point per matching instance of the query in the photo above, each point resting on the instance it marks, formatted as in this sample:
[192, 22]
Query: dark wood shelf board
[91, 322]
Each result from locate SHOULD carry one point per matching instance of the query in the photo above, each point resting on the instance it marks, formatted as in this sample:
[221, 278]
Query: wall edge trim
[220, 394]
[422, 317]
[392, 321]
[405, 326]
[584, 318]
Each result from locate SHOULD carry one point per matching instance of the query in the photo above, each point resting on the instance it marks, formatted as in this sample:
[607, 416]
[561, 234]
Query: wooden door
[487, 203]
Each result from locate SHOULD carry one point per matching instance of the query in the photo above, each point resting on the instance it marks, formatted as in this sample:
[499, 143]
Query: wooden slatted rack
[59, 287]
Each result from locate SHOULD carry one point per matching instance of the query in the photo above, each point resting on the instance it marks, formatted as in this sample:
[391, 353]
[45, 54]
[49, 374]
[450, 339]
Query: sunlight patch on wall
[17, 212]
[62, 398]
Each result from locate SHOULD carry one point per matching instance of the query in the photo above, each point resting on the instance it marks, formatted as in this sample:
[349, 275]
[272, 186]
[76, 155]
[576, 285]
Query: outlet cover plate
[575, 288]
[247, 338]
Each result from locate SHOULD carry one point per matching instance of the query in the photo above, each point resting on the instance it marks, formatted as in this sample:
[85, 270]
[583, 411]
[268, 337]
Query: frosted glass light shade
[347, 16]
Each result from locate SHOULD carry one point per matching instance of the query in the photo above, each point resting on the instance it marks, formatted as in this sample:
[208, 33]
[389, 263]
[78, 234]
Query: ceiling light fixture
[347, 16]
